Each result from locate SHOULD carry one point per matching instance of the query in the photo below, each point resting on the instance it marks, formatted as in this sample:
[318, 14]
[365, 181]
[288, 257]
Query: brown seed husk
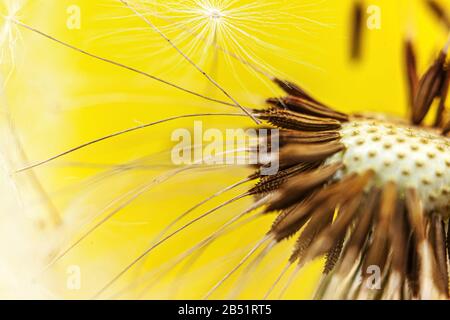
[357, 30]
[430, 88]
[411, 71]
[439, 12]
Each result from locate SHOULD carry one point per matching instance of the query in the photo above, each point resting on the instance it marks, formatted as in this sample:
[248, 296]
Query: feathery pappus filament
[223, 32]
[364, 192]
[9, 10]
[29, 233]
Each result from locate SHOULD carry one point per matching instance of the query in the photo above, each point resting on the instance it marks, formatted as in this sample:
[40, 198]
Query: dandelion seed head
[214, 14]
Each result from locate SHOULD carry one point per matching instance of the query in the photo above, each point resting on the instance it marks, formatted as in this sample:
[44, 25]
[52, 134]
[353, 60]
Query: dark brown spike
[291, 120]
[417, 225]
[415, 214]
[293, 136]
[300, 185]
[294, 154]
[438, 243]
[430, 88]
[448, 241]
[358, 238]
[446, 129]
[333, 234]
[439, 120]
[398, 239]
[335, 193]
[330, 237]
[321, 217]
[411, 71]
[357, 30]
[305, 106]
[272, 182]
[439, 12]
[294, 90]
[379, 248]
[333, 256]
[428, 282]
[412, 273]
[282, 229]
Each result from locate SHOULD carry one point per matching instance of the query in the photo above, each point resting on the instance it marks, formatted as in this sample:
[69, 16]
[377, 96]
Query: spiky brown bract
[430, 87]
[361, 218]
[357, 30]
[439, 12]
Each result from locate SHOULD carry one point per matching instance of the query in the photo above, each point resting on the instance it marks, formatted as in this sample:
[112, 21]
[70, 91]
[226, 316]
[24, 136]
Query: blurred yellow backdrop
[61, 98]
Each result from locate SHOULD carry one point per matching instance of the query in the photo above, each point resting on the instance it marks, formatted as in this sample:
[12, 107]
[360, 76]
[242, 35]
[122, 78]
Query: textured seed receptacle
[410, 156]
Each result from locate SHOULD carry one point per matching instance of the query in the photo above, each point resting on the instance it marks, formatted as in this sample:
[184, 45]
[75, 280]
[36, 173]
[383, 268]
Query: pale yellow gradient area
[60, 98]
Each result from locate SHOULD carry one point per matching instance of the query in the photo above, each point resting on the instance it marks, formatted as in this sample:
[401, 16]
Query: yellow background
[61, 98]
